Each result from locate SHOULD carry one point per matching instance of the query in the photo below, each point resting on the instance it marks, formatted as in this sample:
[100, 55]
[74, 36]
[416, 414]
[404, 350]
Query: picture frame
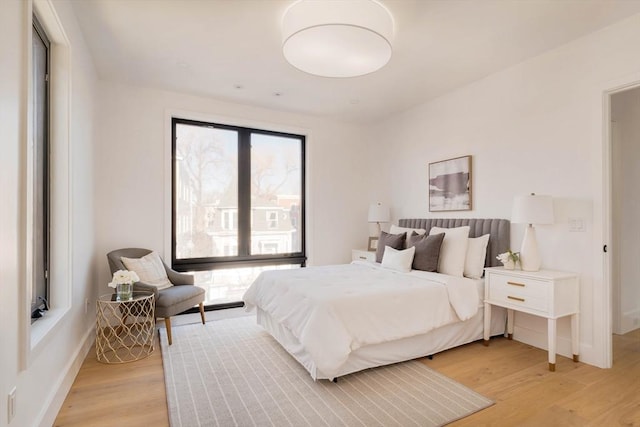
[450, 185]
[372, 246]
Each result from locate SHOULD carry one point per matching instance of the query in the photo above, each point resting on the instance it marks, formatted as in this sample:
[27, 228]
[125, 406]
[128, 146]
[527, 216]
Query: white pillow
[453, 251]
[399, 230]
[397, 260]
[150, 270]
[476, 255]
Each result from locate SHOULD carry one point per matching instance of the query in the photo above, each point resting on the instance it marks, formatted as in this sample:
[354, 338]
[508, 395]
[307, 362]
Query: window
[245, 210]
[49, 178]
[272, 220]
[41, 255]
[229, 219]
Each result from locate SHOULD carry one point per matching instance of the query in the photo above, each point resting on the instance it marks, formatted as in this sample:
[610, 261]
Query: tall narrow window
[40, 72]
[238, 204]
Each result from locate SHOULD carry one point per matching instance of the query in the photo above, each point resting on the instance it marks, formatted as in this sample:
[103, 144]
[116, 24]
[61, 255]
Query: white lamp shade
[379, 213]
[338, 38]
[532, 209]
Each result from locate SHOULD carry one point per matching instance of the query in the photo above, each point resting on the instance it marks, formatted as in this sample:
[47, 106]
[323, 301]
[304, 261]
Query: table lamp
[379, 213]
[531, 209]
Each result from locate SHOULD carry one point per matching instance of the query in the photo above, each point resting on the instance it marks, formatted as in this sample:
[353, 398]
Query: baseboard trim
[630, 321]
[539, 339]
[50, 410]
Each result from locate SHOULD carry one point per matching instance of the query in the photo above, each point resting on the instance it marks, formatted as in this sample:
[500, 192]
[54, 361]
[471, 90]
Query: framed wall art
[450, 185]
[372, 246]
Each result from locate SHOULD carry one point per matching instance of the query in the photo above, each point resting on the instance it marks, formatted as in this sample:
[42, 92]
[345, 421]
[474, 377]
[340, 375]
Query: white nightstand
[363, 255]
[545, 293]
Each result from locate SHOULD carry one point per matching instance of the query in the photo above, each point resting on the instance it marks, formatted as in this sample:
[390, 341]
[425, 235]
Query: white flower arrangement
[123, 277]
[508, 256]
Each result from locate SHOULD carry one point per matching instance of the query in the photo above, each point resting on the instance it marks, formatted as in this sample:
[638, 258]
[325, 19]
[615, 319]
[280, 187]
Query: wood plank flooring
[126, 395]
[515, 375]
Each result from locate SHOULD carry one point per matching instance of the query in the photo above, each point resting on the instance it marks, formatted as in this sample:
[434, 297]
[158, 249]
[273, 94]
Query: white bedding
[335, 310]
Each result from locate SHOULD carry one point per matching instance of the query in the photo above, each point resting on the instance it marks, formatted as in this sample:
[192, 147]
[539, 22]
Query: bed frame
[449, 336]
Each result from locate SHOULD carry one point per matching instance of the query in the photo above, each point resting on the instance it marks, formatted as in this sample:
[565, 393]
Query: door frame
[607, 294]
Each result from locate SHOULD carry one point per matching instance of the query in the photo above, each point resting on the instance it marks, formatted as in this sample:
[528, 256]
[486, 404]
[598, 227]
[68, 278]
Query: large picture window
[238, 204]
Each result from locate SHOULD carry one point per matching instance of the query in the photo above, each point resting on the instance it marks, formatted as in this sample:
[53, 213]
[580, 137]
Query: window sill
[42, 327]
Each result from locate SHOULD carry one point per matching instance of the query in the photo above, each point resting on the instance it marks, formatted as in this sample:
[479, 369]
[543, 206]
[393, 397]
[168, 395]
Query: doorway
[624, 198]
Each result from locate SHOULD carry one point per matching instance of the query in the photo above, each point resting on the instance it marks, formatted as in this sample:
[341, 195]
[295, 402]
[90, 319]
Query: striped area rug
[232, 373]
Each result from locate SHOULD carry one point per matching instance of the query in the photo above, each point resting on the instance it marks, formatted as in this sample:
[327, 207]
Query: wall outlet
[11, 405]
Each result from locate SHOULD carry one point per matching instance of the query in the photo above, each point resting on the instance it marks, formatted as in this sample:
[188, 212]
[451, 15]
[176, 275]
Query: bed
[336, 320]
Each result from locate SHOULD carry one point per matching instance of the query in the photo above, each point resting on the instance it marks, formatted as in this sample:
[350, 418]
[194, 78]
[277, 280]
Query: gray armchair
[171, 301]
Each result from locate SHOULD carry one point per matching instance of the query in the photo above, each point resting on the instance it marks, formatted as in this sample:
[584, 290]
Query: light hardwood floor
[515, 375]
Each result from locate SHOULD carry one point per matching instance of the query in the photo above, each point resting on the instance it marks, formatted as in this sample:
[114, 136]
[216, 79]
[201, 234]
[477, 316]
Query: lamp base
[529, 255]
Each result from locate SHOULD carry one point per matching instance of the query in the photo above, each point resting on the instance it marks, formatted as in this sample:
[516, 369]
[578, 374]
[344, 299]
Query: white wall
[625, 112]
[535, 127]
[11, 107]
[133, 171]
[43, 374]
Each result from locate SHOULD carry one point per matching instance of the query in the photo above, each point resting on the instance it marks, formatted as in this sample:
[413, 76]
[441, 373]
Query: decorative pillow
[398, 260]
[150, 270]
[453, 250]
[476, 255]
[398, 230]
[396, 241]
[427, 251]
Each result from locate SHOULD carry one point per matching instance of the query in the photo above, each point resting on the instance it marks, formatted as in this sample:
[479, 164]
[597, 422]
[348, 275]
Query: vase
[509, 265]
[124, 292]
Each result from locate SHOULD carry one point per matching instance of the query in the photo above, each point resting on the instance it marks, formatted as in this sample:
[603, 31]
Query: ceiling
[231, 49]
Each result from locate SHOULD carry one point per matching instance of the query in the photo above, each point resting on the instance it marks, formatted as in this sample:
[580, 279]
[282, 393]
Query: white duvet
[334, 310]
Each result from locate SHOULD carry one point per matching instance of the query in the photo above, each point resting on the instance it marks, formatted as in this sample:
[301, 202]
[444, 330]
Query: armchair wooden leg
[167, 323]
[202, 312]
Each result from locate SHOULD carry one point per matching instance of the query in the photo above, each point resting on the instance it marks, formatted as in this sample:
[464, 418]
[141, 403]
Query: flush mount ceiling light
[337, 38]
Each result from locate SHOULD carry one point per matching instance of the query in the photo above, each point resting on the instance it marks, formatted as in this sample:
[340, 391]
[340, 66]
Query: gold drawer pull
[363, 257]
[516, 284]
[515, 298]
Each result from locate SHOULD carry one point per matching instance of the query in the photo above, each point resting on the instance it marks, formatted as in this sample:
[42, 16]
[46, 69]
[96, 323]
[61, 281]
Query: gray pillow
[427, 250]
[396, 241]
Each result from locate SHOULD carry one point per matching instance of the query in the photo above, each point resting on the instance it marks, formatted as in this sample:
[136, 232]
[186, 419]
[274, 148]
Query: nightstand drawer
[518, 299]
[518, 286]
[362, 255]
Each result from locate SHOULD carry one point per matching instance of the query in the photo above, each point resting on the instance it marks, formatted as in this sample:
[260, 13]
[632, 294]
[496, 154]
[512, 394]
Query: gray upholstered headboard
[499, 229]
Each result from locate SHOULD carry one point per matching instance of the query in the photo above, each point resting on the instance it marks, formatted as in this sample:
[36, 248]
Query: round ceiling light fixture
[337, 38]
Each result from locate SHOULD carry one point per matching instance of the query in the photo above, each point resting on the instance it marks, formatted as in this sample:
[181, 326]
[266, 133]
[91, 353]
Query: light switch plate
[576, 225]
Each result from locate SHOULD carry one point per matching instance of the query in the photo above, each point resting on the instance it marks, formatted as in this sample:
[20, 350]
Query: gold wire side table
[125, 330]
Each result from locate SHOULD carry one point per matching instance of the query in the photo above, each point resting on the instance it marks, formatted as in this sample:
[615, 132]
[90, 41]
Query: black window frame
[40, 295]
[244, 258]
